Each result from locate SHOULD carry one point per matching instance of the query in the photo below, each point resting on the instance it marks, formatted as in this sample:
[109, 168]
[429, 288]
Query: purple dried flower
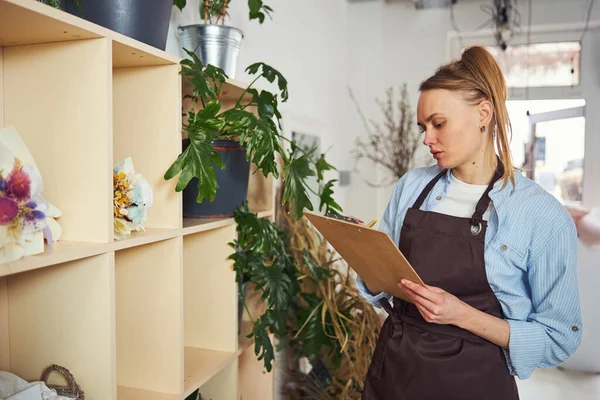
[31, 204]
[37, 214]
[2, 184]
[9, 209]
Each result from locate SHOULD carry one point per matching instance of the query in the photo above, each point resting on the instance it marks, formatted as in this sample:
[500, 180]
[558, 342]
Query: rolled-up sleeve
[370, 297]
[552, 332]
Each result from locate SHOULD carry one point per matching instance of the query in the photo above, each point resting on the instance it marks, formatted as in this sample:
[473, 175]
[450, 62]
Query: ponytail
[478, 76]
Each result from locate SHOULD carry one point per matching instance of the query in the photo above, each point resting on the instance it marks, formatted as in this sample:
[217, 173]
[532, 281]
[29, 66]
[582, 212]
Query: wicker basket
[72, 391]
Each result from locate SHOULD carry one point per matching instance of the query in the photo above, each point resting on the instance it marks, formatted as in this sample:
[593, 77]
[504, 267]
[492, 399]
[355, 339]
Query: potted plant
[143, 20]
[257, 134]
[214, 42]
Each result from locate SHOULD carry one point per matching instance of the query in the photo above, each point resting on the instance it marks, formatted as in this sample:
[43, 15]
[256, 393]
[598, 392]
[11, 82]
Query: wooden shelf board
[196, 225]
[265, 214]
[65, 251]
[59, 253]
[140, 238]
[200, 365]
[127, 393]
[26, 22]
[231, 90]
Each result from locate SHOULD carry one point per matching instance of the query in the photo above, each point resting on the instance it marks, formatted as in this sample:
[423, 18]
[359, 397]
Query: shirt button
[504, 247]
[575, 329]
[438, 198]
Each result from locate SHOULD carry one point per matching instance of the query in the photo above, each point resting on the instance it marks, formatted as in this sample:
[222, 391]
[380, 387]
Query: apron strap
[484, 201]
[428, 189]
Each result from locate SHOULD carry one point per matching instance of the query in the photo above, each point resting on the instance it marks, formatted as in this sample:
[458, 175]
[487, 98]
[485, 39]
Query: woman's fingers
[421, 298]
[358, 221]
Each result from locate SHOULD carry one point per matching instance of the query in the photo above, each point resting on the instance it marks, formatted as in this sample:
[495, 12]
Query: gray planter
[217, 45]
[143, 20]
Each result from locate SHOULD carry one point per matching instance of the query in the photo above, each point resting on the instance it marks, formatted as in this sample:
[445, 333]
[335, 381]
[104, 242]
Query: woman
[496, 251]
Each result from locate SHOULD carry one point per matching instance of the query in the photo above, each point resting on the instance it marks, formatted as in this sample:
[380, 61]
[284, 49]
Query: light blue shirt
[530, 261]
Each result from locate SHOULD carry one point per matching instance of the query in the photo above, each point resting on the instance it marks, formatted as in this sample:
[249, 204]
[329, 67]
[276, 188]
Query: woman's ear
[486, 112]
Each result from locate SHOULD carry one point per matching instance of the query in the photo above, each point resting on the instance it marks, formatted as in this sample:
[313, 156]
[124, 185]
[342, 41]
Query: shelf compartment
[202, 365]
[149, 335]
[147, 126]
[210, 291]
[71, 84]
[27, 22]
[64, 315]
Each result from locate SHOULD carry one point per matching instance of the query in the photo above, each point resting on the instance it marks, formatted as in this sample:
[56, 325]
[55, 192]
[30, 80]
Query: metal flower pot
[217, 45]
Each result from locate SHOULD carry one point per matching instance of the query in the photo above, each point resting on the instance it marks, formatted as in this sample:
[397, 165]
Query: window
[540, 64]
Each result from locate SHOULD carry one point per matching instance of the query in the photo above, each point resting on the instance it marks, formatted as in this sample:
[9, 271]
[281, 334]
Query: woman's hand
[435, 304]
[440, 307]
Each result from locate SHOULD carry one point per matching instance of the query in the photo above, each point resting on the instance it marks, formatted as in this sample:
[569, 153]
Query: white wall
[415, 43]
[306, 42]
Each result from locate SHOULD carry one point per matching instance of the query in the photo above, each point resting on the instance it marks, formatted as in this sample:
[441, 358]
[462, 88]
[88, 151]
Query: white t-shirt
[461, 199]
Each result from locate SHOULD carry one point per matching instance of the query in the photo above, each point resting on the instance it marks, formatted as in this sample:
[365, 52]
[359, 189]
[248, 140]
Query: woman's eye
[421, 129]
[440, 125]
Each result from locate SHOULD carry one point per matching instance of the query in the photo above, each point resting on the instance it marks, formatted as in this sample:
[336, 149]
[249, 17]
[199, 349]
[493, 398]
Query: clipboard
[371, 253]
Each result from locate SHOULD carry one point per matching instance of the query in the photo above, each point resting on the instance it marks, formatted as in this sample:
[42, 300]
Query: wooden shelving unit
[153, 317]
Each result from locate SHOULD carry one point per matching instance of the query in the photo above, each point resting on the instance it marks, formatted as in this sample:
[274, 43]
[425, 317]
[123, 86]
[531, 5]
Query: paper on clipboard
[369, 252]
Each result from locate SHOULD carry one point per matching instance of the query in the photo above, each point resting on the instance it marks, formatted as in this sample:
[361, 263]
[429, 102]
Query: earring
[483, 129]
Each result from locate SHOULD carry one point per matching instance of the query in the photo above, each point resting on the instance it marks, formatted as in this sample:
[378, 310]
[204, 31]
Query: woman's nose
[429, 138]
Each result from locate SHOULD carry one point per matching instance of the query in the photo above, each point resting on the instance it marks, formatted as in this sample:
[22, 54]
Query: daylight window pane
[539, 64]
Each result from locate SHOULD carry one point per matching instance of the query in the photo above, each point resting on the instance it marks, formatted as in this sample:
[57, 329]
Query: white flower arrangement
[132, 196]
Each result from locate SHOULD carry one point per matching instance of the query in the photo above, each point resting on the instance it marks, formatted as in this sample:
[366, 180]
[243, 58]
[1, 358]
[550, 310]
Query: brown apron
[418, 360]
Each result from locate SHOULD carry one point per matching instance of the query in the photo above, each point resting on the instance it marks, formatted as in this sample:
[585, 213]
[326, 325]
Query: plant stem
[308, 319]
[238, 103]
[224, 10]
[246, 306]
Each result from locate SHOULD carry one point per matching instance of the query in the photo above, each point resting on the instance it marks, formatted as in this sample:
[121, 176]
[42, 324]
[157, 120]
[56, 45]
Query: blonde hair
[478, 77]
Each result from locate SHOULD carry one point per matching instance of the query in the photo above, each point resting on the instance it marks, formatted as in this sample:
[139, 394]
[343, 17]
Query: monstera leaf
[200, 158]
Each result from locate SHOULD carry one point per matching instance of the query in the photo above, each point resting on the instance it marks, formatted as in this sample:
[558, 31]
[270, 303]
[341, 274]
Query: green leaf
[322, 165]
[258, 234]
[179, 4]
[263, 347]
[296, 173]
[313, 335]
[199, 157]
[327, 199]
[315, 269]
[263, 143]
[206, 81]
[276, 285]
[270, 74]
[258, 10]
